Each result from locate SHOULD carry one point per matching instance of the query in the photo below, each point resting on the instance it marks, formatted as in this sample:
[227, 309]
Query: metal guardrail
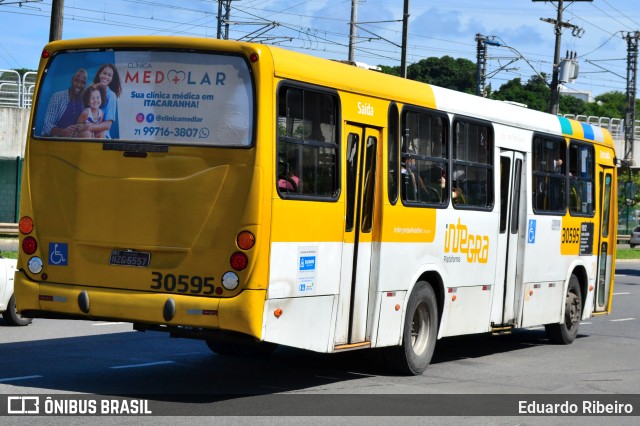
[9, 229]
[624, 239]
[16, 90]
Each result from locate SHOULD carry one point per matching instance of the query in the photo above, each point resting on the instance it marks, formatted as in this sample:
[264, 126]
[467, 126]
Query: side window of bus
[549, 175]
[472, 174]
[581, 179]
[423, 168]
[307, 146]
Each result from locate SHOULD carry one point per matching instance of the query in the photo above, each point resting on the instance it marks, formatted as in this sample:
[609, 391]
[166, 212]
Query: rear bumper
[242, 313]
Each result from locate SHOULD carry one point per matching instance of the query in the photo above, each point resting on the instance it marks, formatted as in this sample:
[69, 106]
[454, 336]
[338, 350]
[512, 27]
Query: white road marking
[12, 379]
[148, 364]
[622, 319]
[110, 323]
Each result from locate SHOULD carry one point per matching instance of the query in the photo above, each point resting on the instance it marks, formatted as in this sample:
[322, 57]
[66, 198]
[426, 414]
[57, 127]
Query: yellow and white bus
[246, 194]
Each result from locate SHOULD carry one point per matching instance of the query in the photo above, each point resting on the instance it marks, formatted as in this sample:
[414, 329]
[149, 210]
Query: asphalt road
[53, 357]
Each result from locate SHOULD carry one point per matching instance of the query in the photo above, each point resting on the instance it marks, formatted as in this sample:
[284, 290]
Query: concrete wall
[13, 131]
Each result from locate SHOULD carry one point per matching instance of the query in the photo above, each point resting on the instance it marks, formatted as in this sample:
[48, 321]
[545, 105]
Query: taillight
[239, 261]
[29, 245]
[245, 240]
[25, 225]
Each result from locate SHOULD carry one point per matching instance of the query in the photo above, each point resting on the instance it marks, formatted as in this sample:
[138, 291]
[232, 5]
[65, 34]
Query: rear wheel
[12, 317]
[566, 332]
[419, 334]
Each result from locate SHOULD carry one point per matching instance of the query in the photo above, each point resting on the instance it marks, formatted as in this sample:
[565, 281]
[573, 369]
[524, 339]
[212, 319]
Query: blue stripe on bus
[588, 131]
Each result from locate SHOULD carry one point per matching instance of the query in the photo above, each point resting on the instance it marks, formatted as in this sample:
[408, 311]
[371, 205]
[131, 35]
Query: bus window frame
[539, 173]
[490, 166]
[404, 154]
[142, 146]
[571, 178]
[292, 84]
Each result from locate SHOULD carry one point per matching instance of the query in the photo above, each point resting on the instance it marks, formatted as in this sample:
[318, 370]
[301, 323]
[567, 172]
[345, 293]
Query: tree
[390, 70]
[447, 72]
[535, 93]
[460, 75]
[572, 105]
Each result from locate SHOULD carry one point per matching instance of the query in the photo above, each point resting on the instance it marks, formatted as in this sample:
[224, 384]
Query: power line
[635, 24]
[327, 33]
[612, 17]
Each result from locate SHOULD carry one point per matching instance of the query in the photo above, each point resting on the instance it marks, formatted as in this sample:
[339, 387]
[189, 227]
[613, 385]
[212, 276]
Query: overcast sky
[321, 28]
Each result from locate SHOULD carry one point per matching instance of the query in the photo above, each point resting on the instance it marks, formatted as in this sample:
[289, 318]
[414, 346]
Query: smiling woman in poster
[108, 75]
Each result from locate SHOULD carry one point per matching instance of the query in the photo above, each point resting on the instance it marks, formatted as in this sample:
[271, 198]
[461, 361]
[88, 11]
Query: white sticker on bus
[307, 269]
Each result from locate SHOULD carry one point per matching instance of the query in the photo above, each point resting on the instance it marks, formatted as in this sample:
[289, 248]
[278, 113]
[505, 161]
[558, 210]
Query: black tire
[632, 245]
[566, 332]
[12, 317]
[261, 349]
[419, 335]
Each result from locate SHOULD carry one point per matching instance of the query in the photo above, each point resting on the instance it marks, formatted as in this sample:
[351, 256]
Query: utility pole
[481, 61]
[57, 18]
[352, 30]
[481, 64]
[405, 30]
[224, 12]
[558, 26]
[630, 109]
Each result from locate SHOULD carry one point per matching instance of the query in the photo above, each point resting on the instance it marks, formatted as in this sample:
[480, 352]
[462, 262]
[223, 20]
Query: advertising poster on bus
[147, 96]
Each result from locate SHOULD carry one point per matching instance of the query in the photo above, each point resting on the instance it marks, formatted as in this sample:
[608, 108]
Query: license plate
[130, 258]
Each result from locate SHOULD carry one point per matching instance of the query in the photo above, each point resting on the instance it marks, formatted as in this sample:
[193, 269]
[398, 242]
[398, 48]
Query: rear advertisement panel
[147, 96]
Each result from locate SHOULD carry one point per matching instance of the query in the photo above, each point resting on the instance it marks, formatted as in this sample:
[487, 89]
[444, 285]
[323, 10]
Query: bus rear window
[169, 97]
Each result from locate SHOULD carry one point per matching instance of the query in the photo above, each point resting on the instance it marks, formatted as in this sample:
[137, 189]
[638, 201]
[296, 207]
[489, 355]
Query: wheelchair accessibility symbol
[531, 238]
[58, 254]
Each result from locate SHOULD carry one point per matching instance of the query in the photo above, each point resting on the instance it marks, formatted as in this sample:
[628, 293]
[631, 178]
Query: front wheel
[419, 333]
[566, 332]
[12, 317]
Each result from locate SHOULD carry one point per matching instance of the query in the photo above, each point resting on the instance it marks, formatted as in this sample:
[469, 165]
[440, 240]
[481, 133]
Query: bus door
[509, 260]
[607, 244]
[359, 256]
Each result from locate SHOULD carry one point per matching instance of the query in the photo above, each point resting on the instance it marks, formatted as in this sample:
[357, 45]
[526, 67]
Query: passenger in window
[94, 97]
[412, 180]
[456, 196]
[288, 180]
[557, 165]
[65, 107]
[415, 181]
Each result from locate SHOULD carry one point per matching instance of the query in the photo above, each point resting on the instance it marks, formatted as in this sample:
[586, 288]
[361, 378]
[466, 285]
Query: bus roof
[324, 72]
[299, 66]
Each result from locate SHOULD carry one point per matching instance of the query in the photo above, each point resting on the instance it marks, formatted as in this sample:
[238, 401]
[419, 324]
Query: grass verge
[9, 254]
[627, 253]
